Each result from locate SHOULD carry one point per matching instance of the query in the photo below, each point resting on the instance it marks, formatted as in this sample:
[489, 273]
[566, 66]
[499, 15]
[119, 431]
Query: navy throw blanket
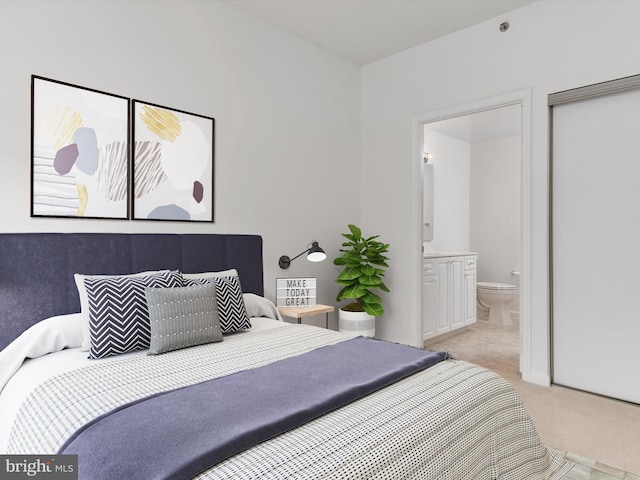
[178, 434]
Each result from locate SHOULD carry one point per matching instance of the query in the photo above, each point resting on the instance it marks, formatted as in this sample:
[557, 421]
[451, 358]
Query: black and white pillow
[182, 317]
[231, 308]
[84, 300]
[118, 311]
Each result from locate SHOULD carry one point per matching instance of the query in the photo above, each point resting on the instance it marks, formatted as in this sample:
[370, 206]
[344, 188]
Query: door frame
[522, 97]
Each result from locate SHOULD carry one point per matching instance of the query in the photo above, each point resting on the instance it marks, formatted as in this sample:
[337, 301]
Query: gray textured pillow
[183, 317]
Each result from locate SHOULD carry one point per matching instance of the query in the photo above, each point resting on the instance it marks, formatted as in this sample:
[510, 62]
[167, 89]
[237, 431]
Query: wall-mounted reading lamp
[314, 254]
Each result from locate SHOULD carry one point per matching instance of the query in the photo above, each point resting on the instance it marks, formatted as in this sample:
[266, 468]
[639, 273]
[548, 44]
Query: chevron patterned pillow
[231, 308]
[182, 317]
[79, 279]
[118, 312]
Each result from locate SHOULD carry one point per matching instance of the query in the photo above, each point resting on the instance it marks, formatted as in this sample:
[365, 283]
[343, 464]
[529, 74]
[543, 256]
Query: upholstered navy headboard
[36, 269]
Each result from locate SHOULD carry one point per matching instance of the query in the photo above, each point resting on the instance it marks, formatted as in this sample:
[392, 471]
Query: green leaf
[370, 280]
[350, 273]
[383, 287]
[381, 263]
[369, 270]
[355, 231]
[352, 256]
[375, 309]
[351, 292]
[346, 283]
[371, 297]
[352, 238]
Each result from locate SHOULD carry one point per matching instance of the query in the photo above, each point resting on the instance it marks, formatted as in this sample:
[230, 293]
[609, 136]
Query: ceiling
[493, 124]
[364, 31]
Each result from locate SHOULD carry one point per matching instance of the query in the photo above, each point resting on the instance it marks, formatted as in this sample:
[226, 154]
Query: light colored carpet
[595, 427]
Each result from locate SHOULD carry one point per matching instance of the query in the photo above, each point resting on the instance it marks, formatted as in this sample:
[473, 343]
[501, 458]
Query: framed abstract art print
[173, 160]
[79, 151]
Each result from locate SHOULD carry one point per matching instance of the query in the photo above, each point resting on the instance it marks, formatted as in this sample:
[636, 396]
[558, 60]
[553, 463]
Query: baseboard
[442, 336]
[537, 378]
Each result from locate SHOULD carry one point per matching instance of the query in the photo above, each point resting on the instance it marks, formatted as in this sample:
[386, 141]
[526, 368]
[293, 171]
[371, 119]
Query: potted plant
[364, 265]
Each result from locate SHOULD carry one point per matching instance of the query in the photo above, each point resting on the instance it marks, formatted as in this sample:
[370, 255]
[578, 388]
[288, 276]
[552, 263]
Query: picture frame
[79, 151]
[172, 164]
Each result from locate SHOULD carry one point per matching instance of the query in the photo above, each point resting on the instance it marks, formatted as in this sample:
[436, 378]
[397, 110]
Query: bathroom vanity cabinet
[448, 293]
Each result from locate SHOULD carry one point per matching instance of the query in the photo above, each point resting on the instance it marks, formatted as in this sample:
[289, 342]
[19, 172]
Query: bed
[447, 420]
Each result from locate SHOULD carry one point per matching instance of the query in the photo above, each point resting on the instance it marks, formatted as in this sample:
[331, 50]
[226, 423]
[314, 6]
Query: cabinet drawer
[428, 267]
[470, 262]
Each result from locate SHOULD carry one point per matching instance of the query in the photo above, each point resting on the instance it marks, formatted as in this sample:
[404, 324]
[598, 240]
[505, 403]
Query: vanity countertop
[446, 254]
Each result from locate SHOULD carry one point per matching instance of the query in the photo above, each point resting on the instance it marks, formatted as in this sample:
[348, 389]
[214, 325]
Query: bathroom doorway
[478, 156]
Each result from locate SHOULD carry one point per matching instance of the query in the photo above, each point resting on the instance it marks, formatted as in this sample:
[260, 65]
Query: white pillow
[258, 306]
[84, 300]
[223, 273]
[50, 335]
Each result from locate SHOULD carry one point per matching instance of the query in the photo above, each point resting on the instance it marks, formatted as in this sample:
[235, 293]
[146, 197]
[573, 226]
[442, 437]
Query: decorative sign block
[295, 292]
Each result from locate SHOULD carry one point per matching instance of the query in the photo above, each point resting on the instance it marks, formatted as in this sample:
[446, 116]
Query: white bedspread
[35, 371]
[453, 421]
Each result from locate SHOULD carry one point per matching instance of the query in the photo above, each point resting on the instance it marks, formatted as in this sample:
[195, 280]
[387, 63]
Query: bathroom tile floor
[586, 469]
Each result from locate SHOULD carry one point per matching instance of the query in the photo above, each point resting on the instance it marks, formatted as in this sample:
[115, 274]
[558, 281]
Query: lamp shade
[316, 254]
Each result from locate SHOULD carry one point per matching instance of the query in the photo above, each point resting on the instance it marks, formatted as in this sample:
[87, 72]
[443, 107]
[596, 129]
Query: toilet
[494, 300]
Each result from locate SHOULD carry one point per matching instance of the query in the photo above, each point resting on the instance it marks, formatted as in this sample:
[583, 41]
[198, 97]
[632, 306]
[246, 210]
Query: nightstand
[300, 312]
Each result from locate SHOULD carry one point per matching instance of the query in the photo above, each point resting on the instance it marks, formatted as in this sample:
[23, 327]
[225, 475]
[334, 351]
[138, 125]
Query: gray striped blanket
[452, 421]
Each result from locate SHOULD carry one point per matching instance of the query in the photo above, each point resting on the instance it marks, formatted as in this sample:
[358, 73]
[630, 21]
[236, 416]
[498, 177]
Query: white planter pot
[356, 323]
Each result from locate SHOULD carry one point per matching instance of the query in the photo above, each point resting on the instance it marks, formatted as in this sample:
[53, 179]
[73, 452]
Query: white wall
[551, 46]
[450, 192]
[287, 115]
[284, 108]
[495, 208]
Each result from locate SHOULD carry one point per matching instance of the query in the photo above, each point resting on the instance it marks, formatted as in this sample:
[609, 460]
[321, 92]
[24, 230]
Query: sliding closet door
[596, 244]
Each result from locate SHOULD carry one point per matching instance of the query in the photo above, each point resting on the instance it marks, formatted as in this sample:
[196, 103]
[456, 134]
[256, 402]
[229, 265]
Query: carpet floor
[587, 425]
